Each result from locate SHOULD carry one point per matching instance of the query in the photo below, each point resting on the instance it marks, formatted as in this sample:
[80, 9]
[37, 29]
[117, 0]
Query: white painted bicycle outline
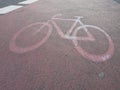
[96, 58]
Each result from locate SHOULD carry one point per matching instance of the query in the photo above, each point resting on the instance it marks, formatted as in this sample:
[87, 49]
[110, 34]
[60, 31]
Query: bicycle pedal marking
[70, 35]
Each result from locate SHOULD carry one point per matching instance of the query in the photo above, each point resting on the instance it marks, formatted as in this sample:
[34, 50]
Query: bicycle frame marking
[67, 35]
[70, 36]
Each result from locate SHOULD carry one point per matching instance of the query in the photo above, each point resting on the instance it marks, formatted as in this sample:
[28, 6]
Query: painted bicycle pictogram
[71, 34]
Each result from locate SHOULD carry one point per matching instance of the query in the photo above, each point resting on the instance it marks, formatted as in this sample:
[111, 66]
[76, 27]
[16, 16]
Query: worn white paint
[28, 2]
[11, 8]
[8, 9]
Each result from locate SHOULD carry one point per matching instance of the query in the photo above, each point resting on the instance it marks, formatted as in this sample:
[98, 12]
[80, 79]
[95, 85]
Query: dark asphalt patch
[118, 1]
[4, 3]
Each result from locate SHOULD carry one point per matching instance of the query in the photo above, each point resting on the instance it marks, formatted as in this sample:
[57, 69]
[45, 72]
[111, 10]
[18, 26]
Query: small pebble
[101, 75]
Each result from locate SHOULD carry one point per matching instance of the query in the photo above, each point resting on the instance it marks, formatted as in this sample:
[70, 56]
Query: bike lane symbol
[74, 37]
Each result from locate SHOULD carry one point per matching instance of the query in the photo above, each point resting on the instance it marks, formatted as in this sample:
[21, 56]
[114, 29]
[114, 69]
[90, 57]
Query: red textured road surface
[34, 55]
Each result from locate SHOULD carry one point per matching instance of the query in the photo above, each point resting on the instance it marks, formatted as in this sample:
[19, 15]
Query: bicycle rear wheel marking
[96, 58]
[13, 47]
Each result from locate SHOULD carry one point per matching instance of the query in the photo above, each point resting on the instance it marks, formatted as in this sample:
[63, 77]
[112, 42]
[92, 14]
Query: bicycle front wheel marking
[18, 49]
[95, 57]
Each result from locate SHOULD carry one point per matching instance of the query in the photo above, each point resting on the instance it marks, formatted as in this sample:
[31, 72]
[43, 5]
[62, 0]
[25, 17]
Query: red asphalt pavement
[58, 64]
